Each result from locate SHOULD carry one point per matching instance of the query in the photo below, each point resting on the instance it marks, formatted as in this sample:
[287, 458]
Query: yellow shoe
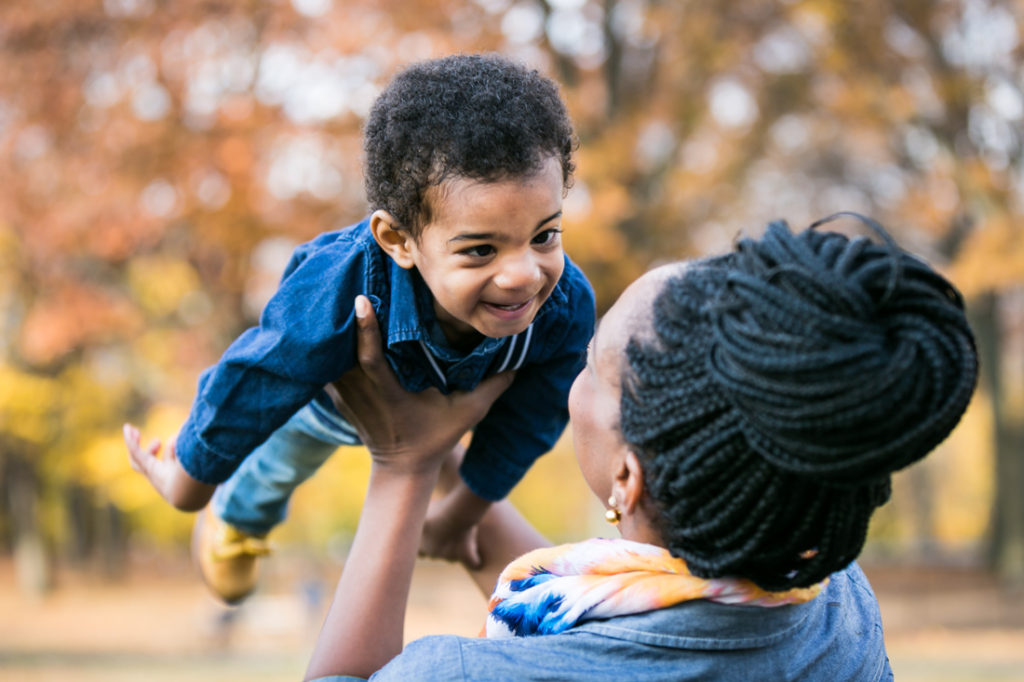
[226, 556]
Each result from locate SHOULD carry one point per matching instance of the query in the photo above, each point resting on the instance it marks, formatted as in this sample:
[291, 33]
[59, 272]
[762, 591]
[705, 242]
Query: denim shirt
[306, 338]
[836, 637]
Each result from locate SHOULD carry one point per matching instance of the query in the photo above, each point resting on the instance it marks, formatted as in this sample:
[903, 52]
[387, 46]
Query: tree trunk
[32, 563]
[1006, 526]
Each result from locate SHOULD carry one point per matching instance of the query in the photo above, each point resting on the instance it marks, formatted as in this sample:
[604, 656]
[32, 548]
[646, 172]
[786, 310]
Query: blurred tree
[702, 120]
[160, 160]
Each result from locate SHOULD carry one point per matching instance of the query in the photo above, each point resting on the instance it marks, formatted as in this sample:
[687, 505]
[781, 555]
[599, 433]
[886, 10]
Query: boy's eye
[481, 251]
[547, 236]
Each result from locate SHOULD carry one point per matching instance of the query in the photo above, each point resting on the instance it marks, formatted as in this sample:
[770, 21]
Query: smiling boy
[468, 159]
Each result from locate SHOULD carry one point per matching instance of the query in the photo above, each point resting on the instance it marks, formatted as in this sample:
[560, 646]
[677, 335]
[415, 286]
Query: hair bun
[847, 359]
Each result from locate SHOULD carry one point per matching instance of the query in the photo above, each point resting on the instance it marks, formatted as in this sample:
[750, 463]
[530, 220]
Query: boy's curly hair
[476, 116]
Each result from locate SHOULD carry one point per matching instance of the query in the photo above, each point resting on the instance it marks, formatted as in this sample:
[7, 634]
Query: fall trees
[158, 161]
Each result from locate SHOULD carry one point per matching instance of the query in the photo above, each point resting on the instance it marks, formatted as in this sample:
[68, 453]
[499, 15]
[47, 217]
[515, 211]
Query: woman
[741, 416]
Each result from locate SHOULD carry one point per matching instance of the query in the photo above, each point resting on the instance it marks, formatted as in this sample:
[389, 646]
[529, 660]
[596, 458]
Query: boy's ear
[396, 242]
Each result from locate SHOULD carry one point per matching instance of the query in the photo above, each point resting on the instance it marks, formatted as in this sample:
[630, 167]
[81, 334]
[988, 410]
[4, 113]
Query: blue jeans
[255, 497]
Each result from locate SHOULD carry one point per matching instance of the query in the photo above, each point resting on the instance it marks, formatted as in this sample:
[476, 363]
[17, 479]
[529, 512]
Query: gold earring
[613, 515]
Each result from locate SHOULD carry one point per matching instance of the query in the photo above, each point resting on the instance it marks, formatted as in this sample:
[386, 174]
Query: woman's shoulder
[444, 658]
[698, 636]
[436, 657]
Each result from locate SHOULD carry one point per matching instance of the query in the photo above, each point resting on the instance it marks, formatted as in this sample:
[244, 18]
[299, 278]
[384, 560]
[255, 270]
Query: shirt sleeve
[529, 417]
[305, 339]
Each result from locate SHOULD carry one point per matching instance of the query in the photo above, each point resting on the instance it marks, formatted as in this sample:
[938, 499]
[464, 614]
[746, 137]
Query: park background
[159, 161]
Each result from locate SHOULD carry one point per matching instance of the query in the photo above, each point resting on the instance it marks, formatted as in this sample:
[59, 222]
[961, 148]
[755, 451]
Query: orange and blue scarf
[550, 590]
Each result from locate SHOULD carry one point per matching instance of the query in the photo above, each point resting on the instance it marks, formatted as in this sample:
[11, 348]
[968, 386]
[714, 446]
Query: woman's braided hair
[784, 383]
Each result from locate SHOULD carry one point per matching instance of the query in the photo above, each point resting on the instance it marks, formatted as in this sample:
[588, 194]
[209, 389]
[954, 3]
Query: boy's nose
[518, 272]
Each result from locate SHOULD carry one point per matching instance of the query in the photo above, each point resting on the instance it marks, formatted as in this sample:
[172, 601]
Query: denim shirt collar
[707, 626]
[411, 317]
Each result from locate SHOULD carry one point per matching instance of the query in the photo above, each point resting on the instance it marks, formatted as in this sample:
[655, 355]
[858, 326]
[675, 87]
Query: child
[467, 161]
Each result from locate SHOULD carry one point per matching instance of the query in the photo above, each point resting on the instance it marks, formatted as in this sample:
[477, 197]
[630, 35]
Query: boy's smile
[491, 252]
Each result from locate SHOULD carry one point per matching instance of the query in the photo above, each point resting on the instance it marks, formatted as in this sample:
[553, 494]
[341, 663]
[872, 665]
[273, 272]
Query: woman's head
[770, 393]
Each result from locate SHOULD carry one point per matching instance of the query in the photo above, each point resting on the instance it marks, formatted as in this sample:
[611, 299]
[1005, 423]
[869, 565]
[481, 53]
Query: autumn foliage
[159, 160]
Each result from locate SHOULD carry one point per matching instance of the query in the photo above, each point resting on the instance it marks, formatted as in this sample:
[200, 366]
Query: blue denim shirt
[835, 637]
[306, 339]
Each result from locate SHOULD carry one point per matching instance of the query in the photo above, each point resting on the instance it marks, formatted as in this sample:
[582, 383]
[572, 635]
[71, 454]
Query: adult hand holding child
[408, 441]
[407, 454]
[741, 497]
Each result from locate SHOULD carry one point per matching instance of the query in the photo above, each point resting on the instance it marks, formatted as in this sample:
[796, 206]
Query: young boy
[467, 161]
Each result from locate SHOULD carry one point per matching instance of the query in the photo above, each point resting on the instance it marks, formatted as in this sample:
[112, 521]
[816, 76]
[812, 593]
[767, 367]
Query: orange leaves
[73, 315]
[235, 155]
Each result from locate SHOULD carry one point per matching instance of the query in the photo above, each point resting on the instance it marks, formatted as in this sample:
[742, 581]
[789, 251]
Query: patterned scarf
[550, 590]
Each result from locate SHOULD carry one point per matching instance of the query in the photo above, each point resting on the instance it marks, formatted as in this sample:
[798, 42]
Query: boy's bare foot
[226, 556]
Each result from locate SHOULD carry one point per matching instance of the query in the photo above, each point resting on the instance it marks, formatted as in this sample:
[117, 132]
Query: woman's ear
[639, 518]
[628, 485]
[395, 241]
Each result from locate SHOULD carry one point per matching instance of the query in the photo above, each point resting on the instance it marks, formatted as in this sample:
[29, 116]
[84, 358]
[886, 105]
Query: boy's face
[492, 252]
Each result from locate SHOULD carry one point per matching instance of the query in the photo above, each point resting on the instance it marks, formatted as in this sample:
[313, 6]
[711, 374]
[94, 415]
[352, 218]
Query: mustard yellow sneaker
[226, 556]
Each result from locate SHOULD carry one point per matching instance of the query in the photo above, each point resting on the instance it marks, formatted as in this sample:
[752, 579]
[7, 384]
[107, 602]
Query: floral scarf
[550, 590]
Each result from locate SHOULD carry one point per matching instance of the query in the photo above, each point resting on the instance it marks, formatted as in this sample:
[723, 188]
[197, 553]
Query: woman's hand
[408, 435]
[405, 431]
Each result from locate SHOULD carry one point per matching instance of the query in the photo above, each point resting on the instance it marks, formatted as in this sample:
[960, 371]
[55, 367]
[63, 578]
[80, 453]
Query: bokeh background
[159, 161]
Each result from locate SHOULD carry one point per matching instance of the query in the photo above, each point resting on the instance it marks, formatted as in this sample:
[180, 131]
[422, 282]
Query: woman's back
[836, 637]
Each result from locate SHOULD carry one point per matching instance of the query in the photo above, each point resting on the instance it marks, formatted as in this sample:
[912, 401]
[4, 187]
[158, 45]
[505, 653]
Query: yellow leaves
[992, 257]
[103, 461]
[817, 13]
[8, 248]
[161, 283]
[965, 474]
[932, 204]
[59, 413]
[593, 236]
[104, 465]
[901, 104]
[27, 402]
[554, 496]
[331, 498]
[959, 474]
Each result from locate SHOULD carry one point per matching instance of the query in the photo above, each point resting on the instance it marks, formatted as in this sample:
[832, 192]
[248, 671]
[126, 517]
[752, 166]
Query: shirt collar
[404, 319]
[701, 624]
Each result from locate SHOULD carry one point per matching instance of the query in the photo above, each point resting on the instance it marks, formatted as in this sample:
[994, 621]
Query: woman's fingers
[369, 348]
[390, 419]
[478, 401]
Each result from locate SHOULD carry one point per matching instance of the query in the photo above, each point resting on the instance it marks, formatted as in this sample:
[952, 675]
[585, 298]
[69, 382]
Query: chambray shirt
[835, 637]
[306, 338]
